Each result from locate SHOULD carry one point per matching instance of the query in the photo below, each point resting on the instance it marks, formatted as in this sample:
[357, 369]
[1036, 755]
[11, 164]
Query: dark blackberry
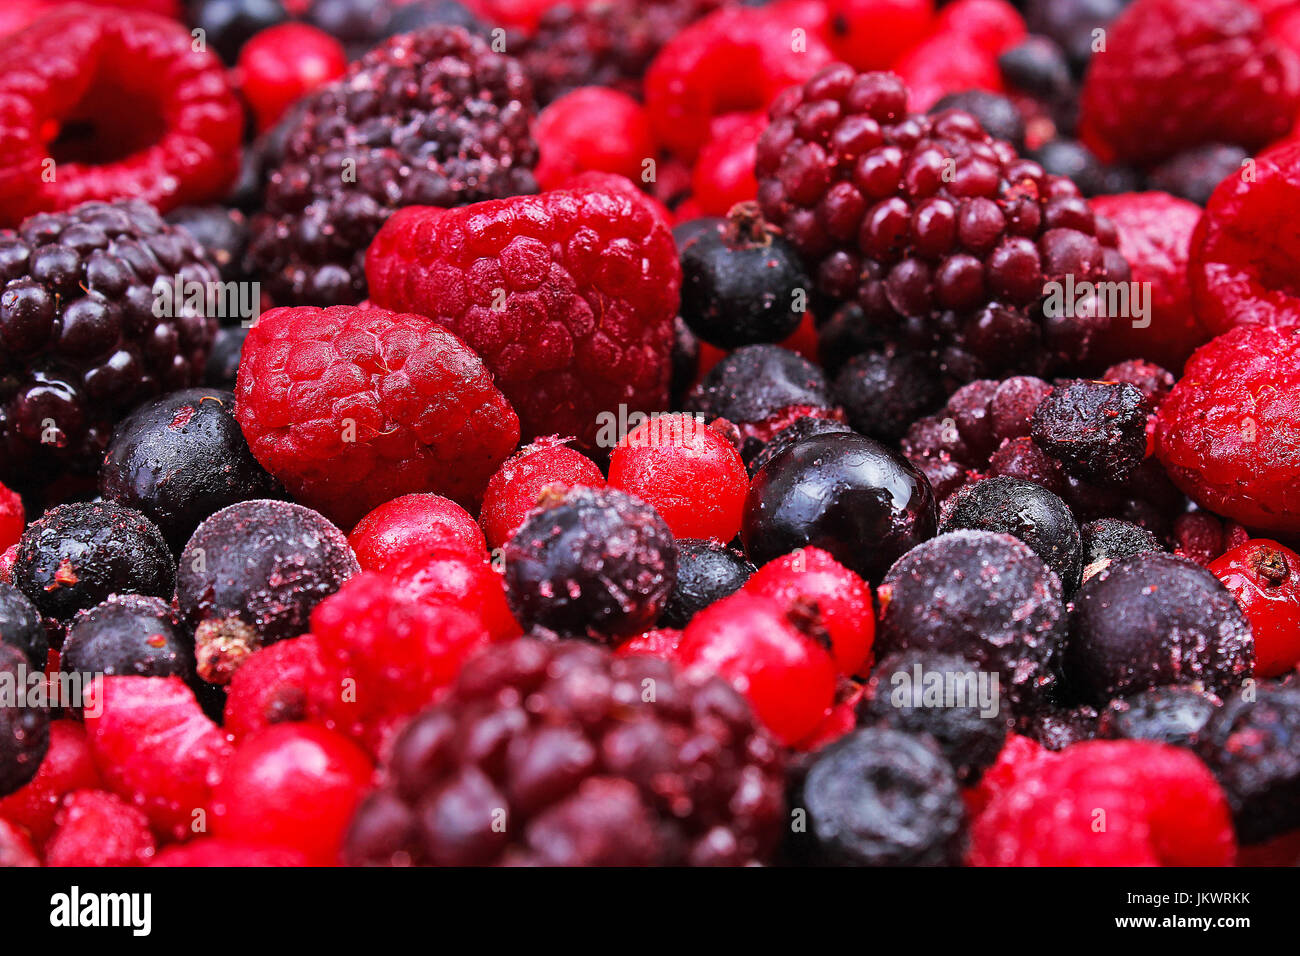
[221, 232]
[844, 493]
[1038, 66]
[1059, 727]
[1154, 619]
[1253, 747]
[1168, 715]
[223, 361]
[251, 574]
[24, 729]
[21, 626]
[603, 43]
[433, 118]
[562, 740]
[997, 114]
[228, 24]
[594, 562]
[1194, 173]
[1071, 24]
[76, 555]
[426, 13]
[80, 341]
[796, 431]
[883, 392]
[129, 634]
[180, 458]
[946, 697]
[943, 236]
[707, 571]
[1097, 430]
[1107, 540]
[742, 284]
[982, 595]
[1071, 159]
[880, 797]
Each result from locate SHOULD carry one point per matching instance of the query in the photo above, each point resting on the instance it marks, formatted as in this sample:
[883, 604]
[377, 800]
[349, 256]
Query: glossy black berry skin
[1155, 619]
[181, 458]
[76, 555]
[707, 571]
[845, 493]
[131, 635]
[1096, 429]
[1106, 540]
[221, 233]
[1167, 715]
[881, 797]
[597, 563]
[883, 392]
[757, 382]
[1029, 512]
[21, 626]
[24, 729]
[796, 431]
[222, 367]
[229, 24]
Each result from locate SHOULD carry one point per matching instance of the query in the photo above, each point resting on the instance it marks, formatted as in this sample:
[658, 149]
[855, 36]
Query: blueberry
[1194, 173]
[21, 626]
[24, 729]
[1108, 539]
[1037, 66]
[220, 232]
[129, 634]
[223, 361]
[707, 571]
[229, 24]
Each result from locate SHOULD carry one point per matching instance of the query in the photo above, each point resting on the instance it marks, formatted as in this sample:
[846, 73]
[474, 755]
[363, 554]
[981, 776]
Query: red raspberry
[279, 66]
[689, 472]
[98, 829]
[351, 407]
[1108, 803]
[15, 849]
[839, 600]
[210, 851]
[872, 34]
[68, 766]
[568, 296]
[1018, 755]
[994, 26]
[171, 140]
[592, 128]
[1243, 254]
[459, 581]
[661, 642]
[518, 484]
[155, 748]
[12, 518]
[291, 785]
[946, 62]
[724, 170]
[283, 682]
[1264, 577]
[1175, 75]
[1226, 433]
[1155, 233]
[422, 520]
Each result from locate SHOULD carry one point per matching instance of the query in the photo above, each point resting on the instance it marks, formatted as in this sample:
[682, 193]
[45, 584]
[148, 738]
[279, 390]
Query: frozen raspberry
[872, 34]
[21, 626]
[285, 681]
[1194, 173]
[560, 737]
[424, 521]
[12, 518]
[96, 828]
[957, 263]
[281, 65]
[1226, 432]
[430, 118]
[1167, 715]
[155, 748]
[386, 404]
[1108, 803]
[592, 129]
[724, 170]
[568, 296]
[68, 766]
[209, 851]
[517, 486]
[73, 93]
[1175, 75]
[1264, 577]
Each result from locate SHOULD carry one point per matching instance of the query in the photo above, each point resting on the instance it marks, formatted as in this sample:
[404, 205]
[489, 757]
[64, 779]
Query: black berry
[883, 392]
[24, 729]
[707, 571]
[129, 634]
[1168, 715]
[1096, 429]
[21, 626]
[1106, 540]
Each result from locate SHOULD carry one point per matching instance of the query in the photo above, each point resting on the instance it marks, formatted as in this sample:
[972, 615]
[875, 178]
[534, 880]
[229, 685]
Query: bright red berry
[419, 520]
[1264, 577]
[211, 851]
[592, 128]
[518, 484]
[872, 34]
[521, 14]
[12, 518]
[1018, 755]
[724, 170]
[690, 472]
[279, 66]
[994, 25]
[661, 642]
[460, 581]
[947, 62]
[281, 683]
[292, 785]
[15, 849]
[68, 766]
[96, 828]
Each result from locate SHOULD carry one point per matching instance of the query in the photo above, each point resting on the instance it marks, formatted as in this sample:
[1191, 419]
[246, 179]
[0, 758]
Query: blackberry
[985, 596]
[561, 738]
[996, 114]
[844, 493]
[1194, 173]
[942, 235]
[1253, 747]
[796, 431]
[707, 571]
[433, 118]
[880, 797]
[76, 555]
[1029, 512]
[1059, 727]
[228, 24]
[80, 343]
[180, 458]
[1106, 540]
[24, 729]
[221, 233]
[883, 392]
[21, 626]
[910, 692]
[129, 634]
[251, 574]
[741, 284]
[223, 361]
[1153, 619]
[593, 562]
[1168, 715]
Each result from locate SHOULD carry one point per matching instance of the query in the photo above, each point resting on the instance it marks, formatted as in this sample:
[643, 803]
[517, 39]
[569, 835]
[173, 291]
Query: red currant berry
[661, 642]
[724, 170]
[1264, 577]
[279, 66]
[426, 520]
[592, 128]
[994, 25]
[467, 582]
[12, 518]
[872, 34]
[513, 491]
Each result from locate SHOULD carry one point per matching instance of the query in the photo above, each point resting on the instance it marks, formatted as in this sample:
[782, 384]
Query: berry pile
[683, 432]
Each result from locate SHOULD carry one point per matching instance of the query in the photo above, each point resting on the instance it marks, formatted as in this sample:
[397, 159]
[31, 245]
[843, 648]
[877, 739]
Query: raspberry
[155, 748]
[1226, 433]
[592, 128]
[1108, 803]
[281, 65]
[73, 92]
[461, 136]
[568, 296]
[422, 521]
[210, 851]
[13, 518]
[350, 408]
[872, 34]
[285, 681]
[83, 344]
[98, 829]
[954, 264]
[68, 766]
[585, 769]
[518, 484]
[707, 572]
[724, 170]
[943, 63]
[1176, 75]
[1264, 577]
[21, 626]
